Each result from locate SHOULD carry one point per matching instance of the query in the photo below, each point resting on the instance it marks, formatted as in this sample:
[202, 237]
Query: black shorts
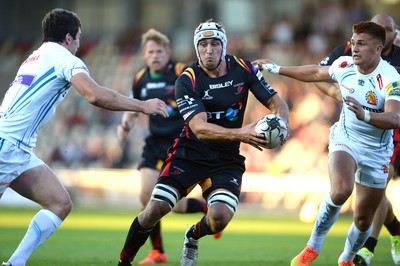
[155, 152]
[188, 166]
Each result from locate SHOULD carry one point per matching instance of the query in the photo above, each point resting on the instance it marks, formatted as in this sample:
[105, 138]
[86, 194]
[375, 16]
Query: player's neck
[220, 71]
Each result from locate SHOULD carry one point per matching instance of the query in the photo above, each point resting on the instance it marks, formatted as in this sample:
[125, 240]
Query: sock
[328, 213]
[195, 205]
[371, 243]
[137, 236]
[354, 241]
[42, 225]
[200, 229]
[156, 238]
[393, 227]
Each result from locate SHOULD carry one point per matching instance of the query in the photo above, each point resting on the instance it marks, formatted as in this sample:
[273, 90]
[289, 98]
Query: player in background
[361, 142]
[41, 83]
[384, 214]
[157, 80]
[212, 96]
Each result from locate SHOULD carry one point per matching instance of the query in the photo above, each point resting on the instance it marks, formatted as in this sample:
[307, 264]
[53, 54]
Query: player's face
[364, 49]
[156, 56]
[210, 51]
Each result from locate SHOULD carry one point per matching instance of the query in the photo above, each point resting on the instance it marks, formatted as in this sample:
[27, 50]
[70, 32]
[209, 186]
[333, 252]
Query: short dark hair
[59, 22]
[376, 31]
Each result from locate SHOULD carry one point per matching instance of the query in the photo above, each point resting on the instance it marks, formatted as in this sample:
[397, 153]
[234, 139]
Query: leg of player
[164, 198]
[40, 185]
[192, 205]
[222, 206]
[366, 203]
[384, 215]
[149, 178]
[341, 173]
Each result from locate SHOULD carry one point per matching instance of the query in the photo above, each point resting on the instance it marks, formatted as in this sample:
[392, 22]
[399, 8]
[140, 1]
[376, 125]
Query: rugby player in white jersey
[41, 83]
[361, 142]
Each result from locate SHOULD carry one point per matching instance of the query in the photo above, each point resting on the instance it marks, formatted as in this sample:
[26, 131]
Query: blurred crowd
[82, 136]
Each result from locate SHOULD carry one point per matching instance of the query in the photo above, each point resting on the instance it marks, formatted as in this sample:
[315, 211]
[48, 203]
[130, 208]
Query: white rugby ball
[274, 130]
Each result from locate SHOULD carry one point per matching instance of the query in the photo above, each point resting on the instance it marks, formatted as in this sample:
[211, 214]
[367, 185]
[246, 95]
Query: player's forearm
[386, 120]
[307, 73]
[212, 132]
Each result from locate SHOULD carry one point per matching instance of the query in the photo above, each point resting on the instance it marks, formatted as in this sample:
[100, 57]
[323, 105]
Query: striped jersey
[41, 83]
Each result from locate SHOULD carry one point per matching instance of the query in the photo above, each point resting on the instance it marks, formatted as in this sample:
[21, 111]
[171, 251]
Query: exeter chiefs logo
[371, 98]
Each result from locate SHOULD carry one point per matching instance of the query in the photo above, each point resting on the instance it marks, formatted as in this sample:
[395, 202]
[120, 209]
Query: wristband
[367, 116]
[271, 68]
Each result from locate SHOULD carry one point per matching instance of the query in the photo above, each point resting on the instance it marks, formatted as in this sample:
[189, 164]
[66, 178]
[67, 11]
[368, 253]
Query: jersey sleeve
[259, 87]
[137, 84]
[71, 66]
[338, 67]
[188, 98]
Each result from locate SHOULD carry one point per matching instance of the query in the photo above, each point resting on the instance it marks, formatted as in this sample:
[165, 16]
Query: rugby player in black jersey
[212, 96]
[384, 214]
[157, 80]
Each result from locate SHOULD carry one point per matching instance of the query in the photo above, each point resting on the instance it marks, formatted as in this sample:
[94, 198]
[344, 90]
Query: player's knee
[362, 223]
[165, 193]
[340, 196]
[225, 197]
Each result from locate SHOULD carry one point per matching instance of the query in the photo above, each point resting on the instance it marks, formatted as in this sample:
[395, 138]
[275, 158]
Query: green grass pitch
[95, 237]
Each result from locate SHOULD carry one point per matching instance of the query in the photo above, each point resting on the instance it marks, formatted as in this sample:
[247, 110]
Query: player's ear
[68, 38]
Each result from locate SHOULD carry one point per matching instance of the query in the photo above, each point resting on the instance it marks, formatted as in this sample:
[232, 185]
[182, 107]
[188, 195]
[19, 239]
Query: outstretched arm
[112, 100]
[306, 73]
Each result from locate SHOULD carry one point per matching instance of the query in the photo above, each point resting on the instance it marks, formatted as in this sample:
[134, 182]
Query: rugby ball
[274, 130]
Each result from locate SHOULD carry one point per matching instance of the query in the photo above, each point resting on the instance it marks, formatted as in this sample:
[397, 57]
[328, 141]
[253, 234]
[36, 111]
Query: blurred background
[80, 143]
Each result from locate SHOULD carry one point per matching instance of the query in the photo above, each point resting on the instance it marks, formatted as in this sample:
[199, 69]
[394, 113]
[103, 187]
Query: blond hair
[155, 36]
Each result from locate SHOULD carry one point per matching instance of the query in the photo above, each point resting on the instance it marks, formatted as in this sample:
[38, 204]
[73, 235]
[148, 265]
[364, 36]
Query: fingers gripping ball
[274, 130]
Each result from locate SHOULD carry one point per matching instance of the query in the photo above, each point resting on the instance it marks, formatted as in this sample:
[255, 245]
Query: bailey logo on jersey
[371, 98]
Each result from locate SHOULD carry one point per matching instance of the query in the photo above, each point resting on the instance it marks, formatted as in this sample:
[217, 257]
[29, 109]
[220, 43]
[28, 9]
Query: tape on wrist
[367, 116]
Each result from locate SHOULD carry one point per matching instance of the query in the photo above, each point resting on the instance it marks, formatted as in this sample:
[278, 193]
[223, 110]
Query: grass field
[95, 237]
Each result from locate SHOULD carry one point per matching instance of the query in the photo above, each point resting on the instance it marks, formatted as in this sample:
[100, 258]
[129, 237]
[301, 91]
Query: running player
[211, 95]
[361, 142]
[384, 214]
[157, 80]
[41, 83]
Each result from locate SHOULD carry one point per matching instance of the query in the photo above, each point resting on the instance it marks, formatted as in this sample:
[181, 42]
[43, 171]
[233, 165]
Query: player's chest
[223, 92]
[157, 89]
[368, 91]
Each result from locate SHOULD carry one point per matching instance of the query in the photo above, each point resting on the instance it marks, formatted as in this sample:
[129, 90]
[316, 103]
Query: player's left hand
[353, 105]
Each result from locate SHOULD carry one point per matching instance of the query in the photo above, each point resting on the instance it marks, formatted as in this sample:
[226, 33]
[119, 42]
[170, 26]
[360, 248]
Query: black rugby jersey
[224, 99]
[145, 87]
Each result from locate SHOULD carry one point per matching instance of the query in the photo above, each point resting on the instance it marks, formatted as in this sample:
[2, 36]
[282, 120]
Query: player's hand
[353, 105]
[122, 131]
[155, 106]
[250, 136]
[266, 64]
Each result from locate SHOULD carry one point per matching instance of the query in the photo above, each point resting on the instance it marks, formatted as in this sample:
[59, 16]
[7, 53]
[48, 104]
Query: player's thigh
[342, 167]
[40, 185]
[367, 201]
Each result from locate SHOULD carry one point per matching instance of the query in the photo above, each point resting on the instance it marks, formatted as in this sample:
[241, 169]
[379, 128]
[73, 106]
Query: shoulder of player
[234, 61]
[139, 75]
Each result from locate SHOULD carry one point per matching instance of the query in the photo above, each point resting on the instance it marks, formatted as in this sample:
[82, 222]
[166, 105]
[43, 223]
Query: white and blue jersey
[41, 83]
[371, 91]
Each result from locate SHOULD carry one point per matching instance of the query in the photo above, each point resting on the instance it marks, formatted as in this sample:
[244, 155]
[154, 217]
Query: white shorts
[13, 162]
[372, 163]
